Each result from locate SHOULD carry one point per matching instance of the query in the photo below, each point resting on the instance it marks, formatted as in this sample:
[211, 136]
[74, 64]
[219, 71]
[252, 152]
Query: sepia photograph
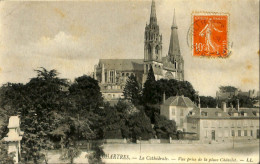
[129, 81]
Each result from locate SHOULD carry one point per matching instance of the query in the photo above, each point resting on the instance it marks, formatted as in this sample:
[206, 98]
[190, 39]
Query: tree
[113, 124]
[5, 157]
[163, 127]
[149, 90]
[71, 152]
[140, 126]
[86, 93]
[227, 89]
[132, 90]
[244, 101]
[49, 113]
[95, 156]
[208, 101]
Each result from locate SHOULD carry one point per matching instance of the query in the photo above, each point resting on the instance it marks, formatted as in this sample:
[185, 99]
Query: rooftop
[218, 113]
[122, 64]
[179, 101]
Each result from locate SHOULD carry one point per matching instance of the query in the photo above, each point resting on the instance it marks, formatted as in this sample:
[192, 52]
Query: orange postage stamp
[210, 34]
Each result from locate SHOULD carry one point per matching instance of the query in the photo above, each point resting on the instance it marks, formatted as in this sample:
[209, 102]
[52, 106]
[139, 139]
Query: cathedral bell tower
[174, 52]
[153, 45]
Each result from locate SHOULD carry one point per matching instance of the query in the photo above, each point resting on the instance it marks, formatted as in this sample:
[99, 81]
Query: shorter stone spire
[174, 47]
[174, 25]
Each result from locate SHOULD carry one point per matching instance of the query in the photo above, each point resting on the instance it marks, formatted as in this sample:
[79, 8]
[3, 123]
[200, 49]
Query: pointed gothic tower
[153, 46]
[174, 52]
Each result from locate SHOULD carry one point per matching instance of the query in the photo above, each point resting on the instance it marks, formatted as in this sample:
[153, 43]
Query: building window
[245, 132]
[173, 112]
[205, 124]
[233, 133]
[232, 124]
[204, 113]
[219, 124]
[239, 123]
[149, 49]
[245, 123]
[181, 113]
[213, 123]
[251, 123]
[239, 133]
[123, 74]
[157, 49]
[181, 122]
[219, 134]
[251, 133]
[206, 133]
[111, 77]
[226, 133]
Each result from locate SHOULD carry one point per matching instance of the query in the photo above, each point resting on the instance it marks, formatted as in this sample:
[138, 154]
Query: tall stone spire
[153, 19]
[174, 48]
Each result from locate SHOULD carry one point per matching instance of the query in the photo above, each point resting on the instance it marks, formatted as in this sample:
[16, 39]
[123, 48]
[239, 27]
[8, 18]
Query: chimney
[95, 72]
[163, 97]
[199, 103]
[103, 74]
[224, 106]
[238, 105]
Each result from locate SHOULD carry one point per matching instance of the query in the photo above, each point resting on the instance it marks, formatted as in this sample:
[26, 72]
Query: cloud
[72, 37]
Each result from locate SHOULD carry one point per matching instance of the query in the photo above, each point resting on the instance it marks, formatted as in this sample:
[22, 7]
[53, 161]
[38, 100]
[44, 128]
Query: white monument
[14, 136]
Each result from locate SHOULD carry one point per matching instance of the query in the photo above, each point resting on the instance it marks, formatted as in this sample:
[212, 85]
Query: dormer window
[191, 113]
[243, 113]
[204, 114]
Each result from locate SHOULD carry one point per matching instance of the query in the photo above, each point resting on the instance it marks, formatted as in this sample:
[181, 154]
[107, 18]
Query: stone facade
[112, 74]
[212, 124]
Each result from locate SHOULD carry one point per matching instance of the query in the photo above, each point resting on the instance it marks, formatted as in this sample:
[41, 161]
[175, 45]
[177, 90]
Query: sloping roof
[167, 64]
[243, 93]
[212, 113]
[123, 64]
[179, 101]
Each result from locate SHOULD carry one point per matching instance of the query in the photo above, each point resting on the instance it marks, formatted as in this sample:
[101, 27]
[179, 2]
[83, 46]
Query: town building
[112, 74]
[212, 124]
[228, 95]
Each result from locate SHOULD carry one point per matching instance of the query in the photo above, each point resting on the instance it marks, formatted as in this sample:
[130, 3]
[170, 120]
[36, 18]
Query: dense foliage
[164, 128]
[207, 101]
[52, 110]
[4, 156]
[153, 90]
[227, 89]
[50, 113]
[132, 90]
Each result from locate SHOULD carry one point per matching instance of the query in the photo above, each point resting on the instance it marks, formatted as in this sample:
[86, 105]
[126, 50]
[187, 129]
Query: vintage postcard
[129, 81]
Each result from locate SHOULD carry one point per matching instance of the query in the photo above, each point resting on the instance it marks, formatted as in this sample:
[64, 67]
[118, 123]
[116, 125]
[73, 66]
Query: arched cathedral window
[157, 49]
[149, 49]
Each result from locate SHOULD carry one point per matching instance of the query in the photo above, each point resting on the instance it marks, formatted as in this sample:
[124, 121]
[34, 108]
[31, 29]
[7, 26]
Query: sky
[72, 36]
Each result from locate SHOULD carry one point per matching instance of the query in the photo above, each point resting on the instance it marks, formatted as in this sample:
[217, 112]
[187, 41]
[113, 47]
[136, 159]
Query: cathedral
[112, 74]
